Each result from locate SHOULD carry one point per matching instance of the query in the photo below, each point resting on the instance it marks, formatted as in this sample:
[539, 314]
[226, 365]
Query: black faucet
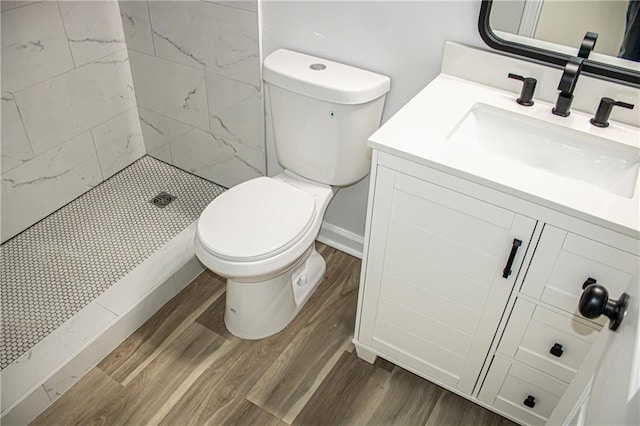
[571, 73]
[567, 85]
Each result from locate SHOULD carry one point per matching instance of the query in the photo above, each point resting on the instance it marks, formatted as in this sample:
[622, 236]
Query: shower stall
[121, 121]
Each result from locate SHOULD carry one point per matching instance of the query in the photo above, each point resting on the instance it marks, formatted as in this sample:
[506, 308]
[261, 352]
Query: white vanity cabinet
[546, 336]
[440, 268]
[435, 298]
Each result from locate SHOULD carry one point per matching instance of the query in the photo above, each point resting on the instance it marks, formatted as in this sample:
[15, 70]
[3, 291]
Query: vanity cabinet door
[439, 270]
[563, 261]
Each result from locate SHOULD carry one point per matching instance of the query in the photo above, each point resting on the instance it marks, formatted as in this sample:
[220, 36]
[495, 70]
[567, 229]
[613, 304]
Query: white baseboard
[341, 239]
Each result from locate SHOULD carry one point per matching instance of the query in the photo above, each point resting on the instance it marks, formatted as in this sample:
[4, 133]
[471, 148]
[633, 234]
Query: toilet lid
[255, 220]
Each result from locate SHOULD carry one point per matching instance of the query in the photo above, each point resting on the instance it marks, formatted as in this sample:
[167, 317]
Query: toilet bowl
[260, 235]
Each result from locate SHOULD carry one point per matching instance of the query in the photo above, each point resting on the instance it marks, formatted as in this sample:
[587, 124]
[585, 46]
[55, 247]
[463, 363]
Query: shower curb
[35, 380]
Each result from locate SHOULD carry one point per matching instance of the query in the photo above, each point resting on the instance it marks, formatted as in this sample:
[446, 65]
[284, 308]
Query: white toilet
[260, 234]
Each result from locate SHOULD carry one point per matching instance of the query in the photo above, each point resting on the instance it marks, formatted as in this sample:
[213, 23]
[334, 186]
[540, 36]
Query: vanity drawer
[548, 341]
[562, 263]
[520, 391]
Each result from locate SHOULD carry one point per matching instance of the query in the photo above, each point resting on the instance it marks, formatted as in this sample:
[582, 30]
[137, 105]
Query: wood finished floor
[182, 367]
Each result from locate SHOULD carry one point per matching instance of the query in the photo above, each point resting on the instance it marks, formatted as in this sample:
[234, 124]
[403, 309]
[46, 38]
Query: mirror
[551, 31]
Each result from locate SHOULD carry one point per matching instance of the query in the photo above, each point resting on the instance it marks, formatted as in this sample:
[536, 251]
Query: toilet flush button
[317, 67]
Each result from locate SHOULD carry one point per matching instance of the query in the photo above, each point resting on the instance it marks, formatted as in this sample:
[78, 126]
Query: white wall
[69, 116]
[403, 40]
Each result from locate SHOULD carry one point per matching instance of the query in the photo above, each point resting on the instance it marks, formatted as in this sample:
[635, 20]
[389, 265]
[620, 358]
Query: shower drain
[162, 200]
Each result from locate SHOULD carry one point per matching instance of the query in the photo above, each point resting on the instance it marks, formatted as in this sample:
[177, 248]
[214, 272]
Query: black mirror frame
[597, 69]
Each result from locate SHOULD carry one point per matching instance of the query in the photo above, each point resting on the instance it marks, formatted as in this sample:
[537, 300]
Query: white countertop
[419, 131]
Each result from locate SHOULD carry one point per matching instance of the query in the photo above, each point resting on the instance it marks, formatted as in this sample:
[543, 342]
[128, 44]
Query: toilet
[260, 235]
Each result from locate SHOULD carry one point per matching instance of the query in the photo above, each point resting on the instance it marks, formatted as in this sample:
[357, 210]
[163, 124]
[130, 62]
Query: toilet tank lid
[323, 79]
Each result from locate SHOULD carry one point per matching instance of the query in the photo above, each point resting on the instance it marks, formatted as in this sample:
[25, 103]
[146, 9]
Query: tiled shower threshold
[78, 283]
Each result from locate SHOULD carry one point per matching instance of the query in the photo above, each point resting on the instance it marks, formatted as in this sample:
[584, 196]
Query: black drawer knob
[556, 350]
[530, 401]
[595, 302]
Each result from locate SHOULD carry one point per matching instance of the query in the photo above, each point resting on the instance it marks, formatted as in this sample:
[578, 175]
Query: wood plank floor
[182, 367]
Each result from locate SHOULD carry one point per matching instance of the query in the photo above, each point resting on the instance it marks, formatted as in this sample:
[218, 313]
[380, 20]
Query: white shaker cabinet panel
[564, 261]
[440, 268]
[548, 341]
[521, 392]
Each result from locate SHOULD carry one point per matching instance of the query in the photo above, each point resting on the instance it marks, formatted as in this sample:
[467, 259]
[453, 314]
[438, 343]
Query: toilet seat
[255, 220]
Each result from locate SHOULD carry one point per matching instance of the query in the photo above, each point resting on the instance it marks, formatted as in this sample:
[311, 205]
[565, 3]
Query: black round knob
[595, 302]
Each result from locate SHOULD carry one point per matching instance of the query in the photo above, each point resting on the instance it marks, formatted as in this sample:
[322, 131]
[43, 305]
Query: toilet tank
[322, 114]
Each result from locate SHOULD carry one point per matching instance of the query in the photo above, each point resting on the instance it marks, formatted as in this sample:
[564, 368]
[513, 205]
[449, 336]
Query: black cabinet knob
[595, 302]
[556, 350]
[530, 401]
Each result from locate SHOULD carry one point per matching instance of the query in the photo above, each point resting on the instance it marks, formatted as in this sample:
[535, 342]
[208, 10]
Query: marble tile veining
[171, 89]
[33, 53]
[208, 36]
[214, 158]
[137, 28]
[15, 147]
[158, 130]
[58, 109]
[33, 190]
[235, 111]
[58, 266]
[94, 29]
[118, 142]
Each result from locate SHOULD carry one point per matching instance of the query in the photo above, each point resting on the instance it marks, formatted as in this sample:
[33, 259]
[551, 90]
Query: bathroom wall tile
[163, 154]
[235, 111]
[118, 142]
[213, 158]
[33, 53]
[103, 344]
[12, 4]
[251, 5]
[36, 365]
[42, 185]
[137, 29]
[28, 409]
[58, 109]
[171, 89]
[158, 130]
[208, 36]
[94, 29]
[15, 147]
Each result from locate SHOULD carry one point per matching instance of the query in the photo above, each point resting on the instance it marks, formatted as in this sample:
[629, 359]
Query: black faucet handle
[528, 87]
[601, 119]
[587, 45]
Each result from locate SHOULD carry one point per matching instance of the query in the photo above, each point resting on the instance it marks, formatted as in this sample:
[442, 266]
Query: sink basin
[545, 146]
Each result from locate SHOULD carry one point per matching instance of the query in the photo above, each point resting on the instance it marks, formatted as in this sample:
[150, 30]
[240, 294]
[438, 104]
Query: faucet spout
[567, 85]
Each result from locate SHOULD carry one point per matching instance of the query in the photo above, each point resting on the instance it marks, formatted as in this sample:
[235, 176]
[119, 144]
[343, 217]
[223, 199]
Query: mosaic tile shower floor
[52, 270]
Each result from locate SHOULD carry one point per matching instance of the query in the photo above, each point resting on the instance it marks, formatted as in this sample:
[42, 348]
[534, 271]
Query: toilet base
[259, 309]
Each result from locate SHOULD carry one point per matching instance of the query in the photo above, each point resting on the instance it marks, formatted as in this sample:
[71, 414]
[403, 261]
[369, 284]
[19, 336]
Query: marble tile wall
[69, 117]
[196, 71]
